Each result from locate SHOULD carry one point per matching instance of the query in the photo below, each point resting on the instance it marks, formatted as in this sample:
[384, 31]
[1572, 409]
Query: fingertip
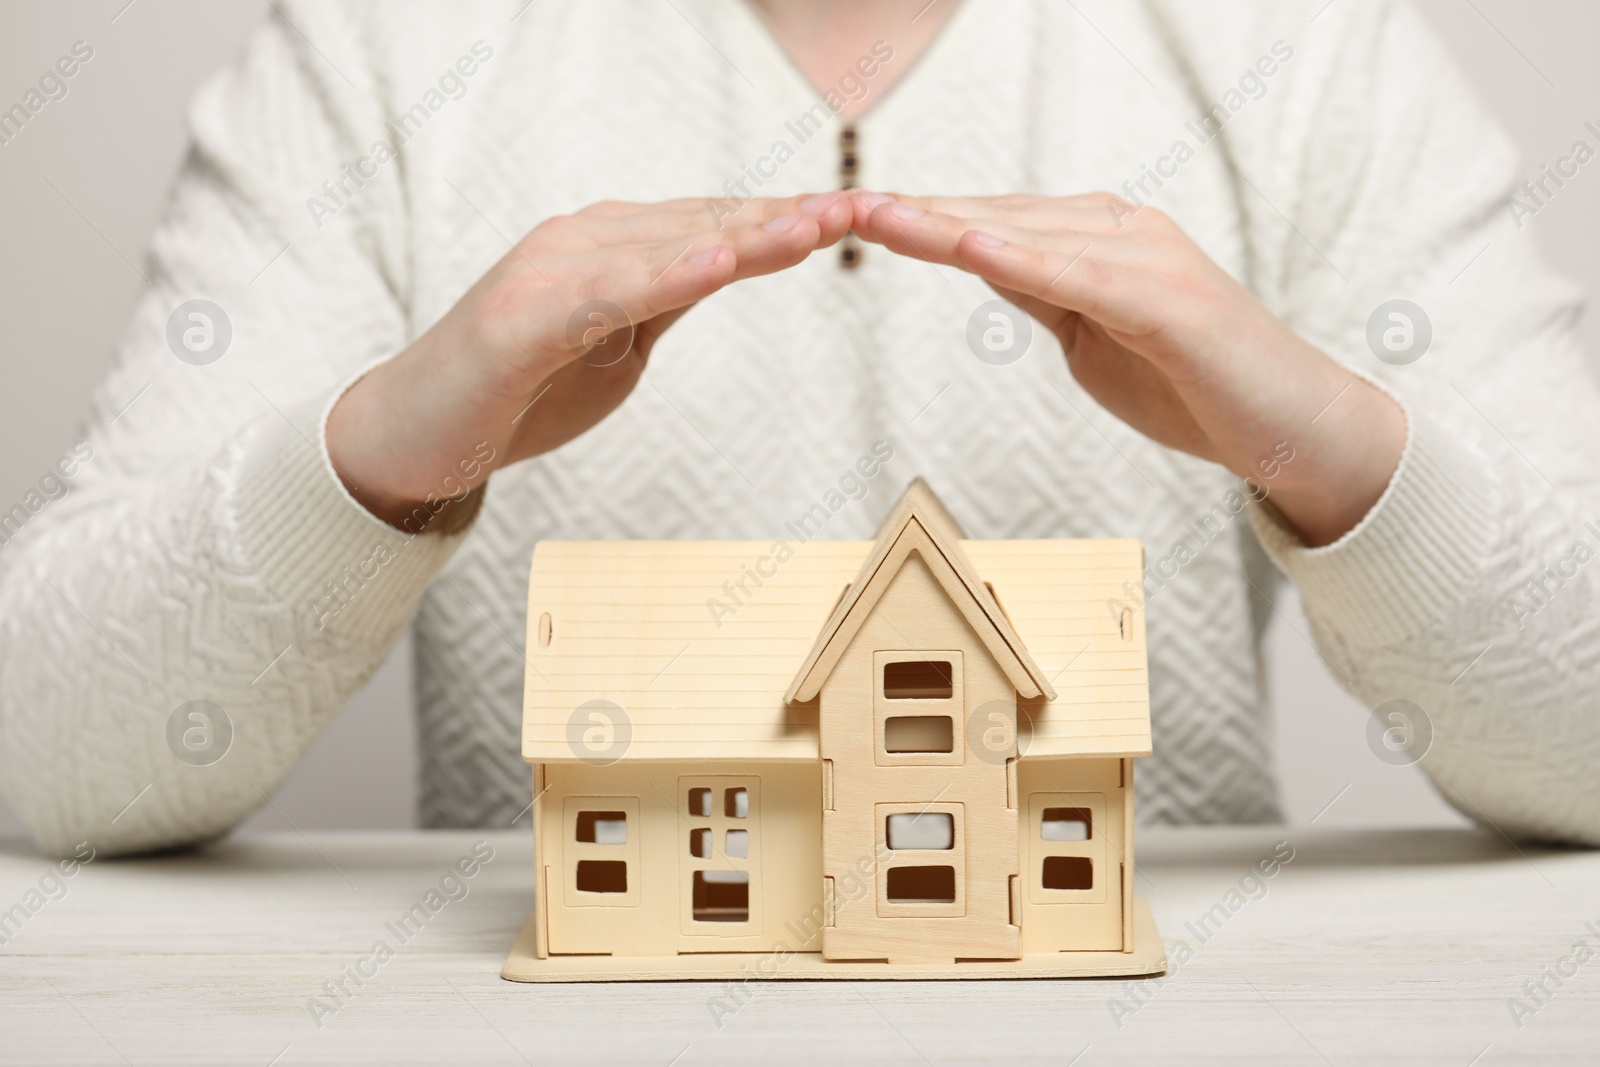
[982, 252]
[889, 222]
[821, 204]
[896, 210]
[797, 233]
[863, 203]
[712, 268]
[709, 257]
[782, 223]
[833, 212]
[878, 214]
[983, 239]
[836, 221]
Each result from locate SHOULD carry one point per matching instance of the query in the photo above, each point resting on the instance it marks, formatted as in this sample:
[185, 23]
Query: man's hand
[1167, 341]
[528, 359]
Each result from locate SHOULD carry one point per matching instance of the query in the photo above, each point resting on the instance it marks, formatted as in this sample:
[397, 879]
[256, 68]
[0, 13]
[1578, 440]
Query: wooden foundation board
[1148, 959]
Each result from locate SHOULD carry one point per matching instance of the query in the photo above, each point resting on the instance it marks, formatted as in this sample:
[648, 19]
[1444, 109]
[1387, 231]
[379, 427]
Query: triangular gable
[920, 523]
[921, 494]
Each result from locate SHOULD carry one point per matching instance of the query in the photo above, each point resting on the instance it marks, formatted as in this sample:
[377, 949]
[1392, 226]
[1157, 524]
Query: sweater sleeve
[178, 627]
[1469, 589]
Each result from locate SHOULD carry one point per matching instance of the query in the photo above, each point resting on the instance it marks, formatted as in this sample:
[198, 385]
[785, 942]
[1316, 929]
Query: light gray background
[112, 145]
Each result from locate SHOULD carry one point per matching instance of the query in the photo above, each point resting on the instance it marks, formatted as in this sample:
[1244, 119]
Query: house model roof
[919, 523]
[715, 650]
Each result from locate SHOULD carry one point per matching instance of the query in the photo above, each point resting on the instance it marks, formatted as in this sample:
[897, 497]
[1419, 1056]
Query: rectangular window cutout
[736, 803]
[602, 876]
[737, 844]
[721, 896]
[603, 827]
[1066, 824]
[921, 885]
[919, 733]
[700, 803]
[928, 830]
[700, 843]
[918, 679]
[1068, 872]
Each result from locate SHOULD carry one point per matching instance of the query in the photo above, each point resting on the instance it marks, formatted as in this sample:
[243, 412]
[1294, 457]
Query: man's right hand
[529, 358]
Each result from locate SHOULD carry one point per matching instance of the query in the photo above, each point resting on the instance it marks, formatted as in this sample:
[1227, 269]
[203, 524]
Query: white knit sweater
[191, 559]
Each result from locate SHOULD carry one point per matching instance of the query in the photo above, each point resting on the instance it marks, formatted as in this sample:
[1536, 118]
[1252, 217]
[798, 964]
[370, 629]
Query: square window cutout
[602, 876]
[1068, 872]
[918, 679]
[921, 885]
[603, 827]
[927, 830]
[721, 896]
[700, 803]
[1066, 824]
[919, 733]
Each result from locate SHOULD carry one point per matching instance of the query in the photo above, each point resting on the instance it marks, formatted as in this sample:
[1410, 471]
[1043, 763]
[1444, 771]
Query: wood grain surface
[1360, 948]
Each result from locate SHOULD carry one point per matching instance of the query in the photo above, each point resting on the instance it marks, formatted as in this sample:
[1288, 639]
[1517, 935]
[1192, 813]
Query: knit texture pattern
[209, 552]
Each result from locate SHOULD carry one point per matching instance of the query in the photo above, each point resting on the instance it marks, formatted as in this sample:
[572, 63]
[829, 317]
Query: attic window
[1066, 824]
[919, 733]
[918, 679]
[603, 827]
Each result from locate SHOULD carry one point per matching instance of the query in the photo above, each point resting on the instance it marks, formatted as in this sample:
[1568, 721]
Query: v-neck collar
[925, 67]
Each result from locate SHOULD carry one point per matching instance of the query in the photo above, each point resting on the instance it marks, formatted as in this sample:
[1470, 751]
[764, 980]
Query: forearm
[250, 581]
[1428, 600]
[1347, 440]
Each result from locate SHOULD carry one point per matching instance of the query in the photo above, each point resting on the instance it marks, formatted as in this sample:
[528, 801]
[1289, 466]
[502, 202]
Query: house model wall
[905, 757]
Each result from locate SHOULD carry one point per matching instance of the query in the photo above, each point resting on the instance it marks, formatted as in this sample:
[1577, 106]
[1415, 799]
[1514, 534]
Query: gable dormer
[919, 528]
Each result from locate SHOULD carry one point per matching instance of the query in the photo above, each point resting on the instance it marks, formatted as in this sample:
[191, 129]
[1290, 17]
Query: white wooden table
[1380, 947]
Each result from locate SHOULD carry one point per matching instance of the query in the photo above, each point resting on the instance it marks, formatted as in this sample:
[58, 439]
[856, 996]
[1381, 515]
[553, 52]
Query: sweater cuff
[338, 566]
[1410, 560]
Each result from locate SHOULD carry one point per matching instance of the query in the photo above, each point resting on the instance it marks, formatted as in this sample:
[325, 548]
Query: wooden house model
[911, 757]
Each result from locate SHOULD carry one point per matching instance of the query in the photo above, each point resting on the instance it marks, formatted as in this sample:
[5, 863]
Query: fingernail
[781, 223]
[906, 211]
[707, 257]
[819, 204]
[874, 199]
[988, 240]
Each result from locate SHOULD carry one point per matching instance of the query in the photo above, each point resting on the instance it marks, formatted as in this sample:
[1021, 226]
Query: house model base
[905, 758]
[1147, 959]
